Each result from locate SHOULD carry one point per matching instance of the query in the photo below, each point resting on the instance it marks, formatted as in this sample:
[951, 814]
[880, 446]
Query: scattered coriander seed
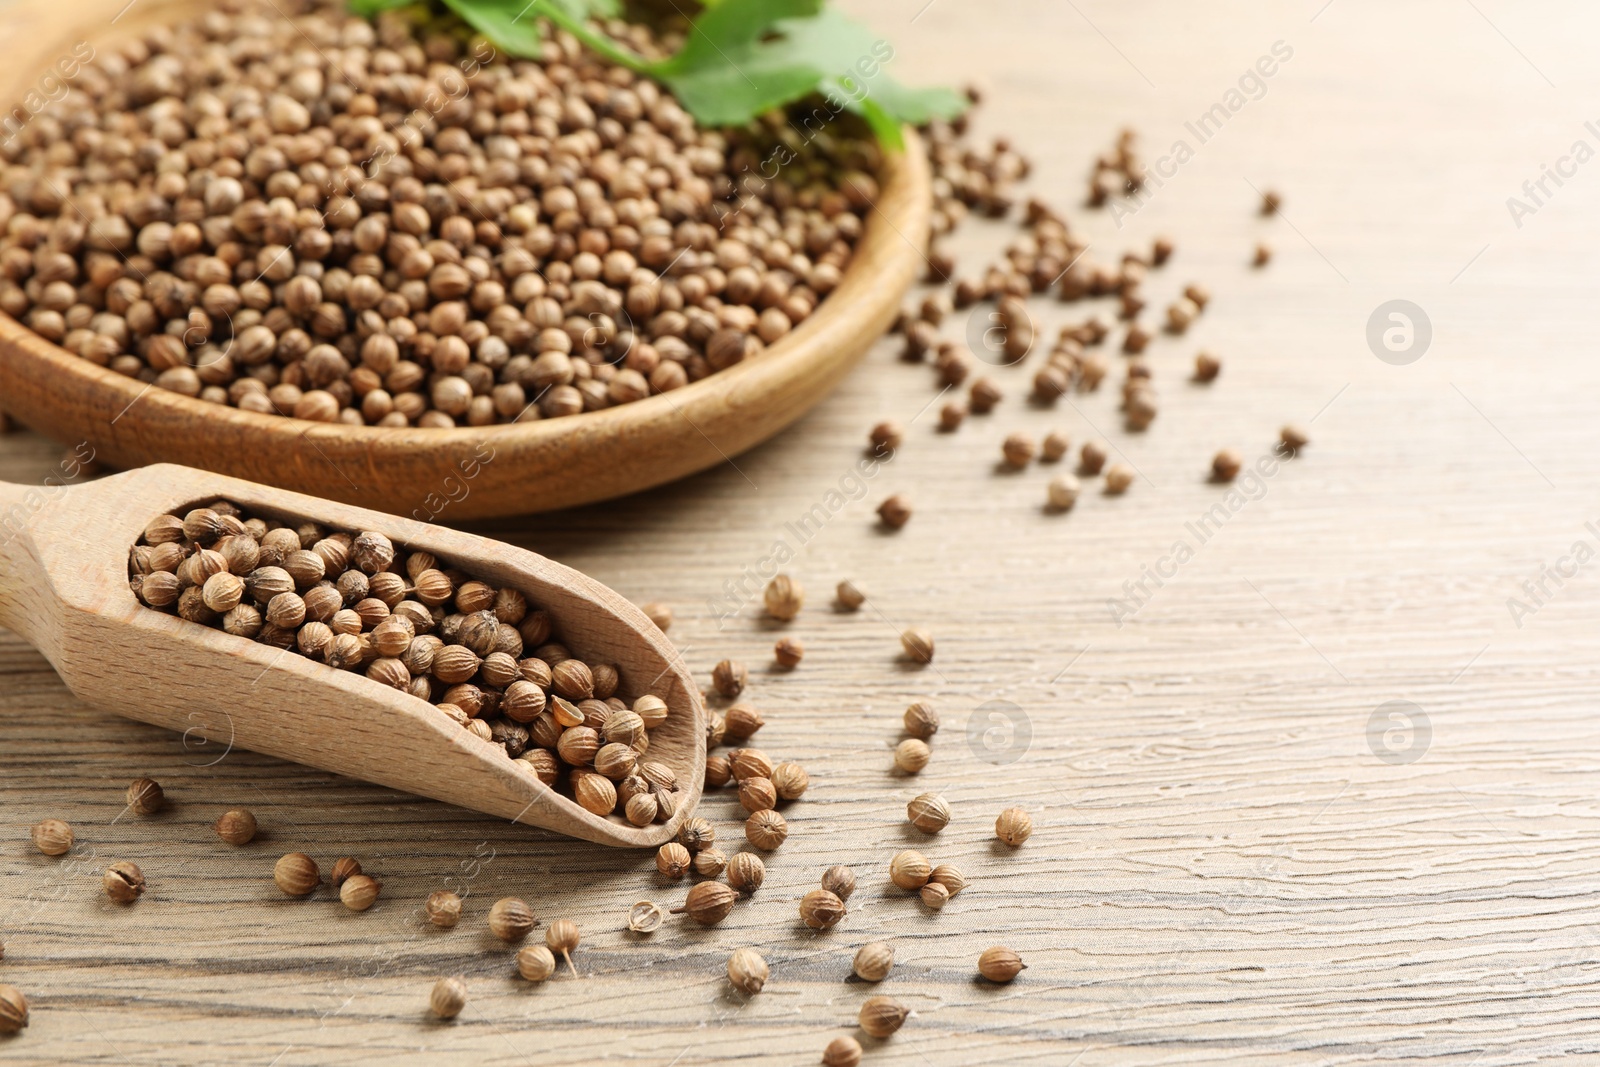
[849, 596]
[535, 962]
[928, 813]
[1013, 826]
[1225, 465]
[1271, 201]
[951, 416]
[710, 863]
[757, 794]
[511, 920]
[999, 964]
[1092, 457]
[344, 869]
[145, 796]
[910, 869]
[790, 780]
[766, 830]
[747, 971]
[123, 882]
[750, 763]
[673, 860]
[697, 834]
[983, 395]
[885, 438]
[296, 874]
[1018, 449]
[839, 880]
[1119, 476]
[1135, 340]
[821, 909]
[842, 1052]
[918, 644]
[788, 652]
[921, 720]
[911, 755]
[933, 896]
[1180, 314]
[1140, 410]
[746, 872]
[1056, 444]
[659, 613]
[1063, 492]
[708, 903]
[1206, 367]
[1198, 294]
[236, 827]
[643, 918]
[562, 936]
[881, 1016]
[728, 677]
[1293, 438]
[448, 998]
[895, 512]
[52, 837]
[13, 1010]
[741, 722]
[443, 909]
[874, 961]
[783, 597]
[718, 772]
[1262, 256]
[359, 892]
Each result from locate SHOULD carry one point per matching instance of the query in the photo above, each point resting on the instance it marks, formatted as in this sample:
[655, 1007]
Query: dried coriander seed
[1018, 449]
[1092, 457]
[708, 903]
[448, 998]
[790, 780]
[1206, 367]
[783, 598]
[710, 863]
[788, 652]
[933, 896]
[757, 794]
[344, 869]
[145, 796]
[999, 964]
[921, 720]
[1292, 438]
[895, 512]
[1119, 476]
[747, 971]
[719, 772]
[849, 596]
[562, 936]
[740, 722]
[928, 813]
[673, 860]
[123, 882]
[821, 909]
[359, 892]
[881, 1016]
[839, 880]
[766, 830]
[535, 962]
[52, 837]
[1062, 493]
[951, 416]
[885, 437]
[658, 613]
[296, 874]
[697, 834]
[746, 872]
[873, 961]
[1225, 465]
[842, 1052]
[443, 909]
[511, 920]
[13, 1010]
[910, 869]
[918, 644]
[911, 755]
[1013, 826]
[728, 678]
[1262, 255]
[643, 918]
[948, 876]
[1271, 201]
[236, 827]
[749, 763]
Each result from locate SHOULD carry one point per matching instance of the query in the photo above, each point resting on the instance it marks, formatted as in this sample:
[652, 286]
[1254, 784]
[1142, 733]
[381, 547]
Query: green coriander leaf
[509, 24]
[369, 8]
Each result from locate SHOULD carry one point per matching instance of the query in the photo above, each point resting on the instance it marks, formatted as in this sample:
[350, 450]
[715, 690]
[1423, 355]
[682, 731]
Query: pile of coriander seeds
[280, 206]
[483, 656]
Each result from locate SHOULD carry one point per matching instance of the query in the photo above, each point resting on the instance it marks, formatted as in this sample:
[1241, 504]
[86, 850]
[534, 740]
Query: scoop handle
[21, 574]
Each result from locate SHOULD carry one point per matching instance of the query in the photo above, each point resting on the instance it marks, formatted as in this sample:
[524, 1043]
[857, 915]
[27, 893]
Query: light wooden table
[1224, 870]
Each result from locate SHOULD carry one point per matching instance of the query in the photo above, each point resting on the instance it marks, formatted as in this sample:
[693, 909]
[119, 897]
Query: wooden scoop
[64, 588]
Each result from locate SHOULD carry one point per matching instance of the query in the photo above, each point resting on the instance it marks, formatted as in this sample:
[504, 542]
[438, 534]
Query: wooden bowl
[465, 473]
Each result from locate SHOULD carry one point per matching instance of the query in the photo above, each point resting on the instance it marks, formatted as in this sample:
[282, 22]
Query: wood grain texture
[68, 595]
[1223, 872]
[517, 468]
